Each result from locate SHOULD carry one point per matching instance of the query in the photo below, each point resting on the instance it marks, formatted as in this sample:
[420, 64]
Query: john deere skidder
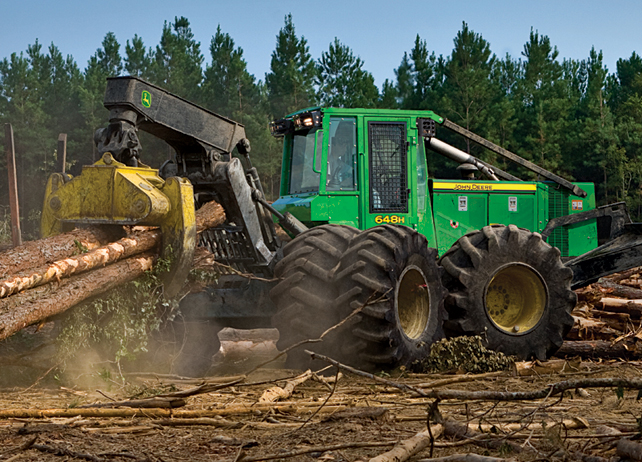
[405, 257]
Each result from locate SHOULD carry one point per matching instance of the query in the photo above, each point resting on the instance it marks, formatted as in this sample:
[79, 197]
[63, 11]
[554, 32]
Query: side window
[388, 167]
[342, 155]
[422, 175]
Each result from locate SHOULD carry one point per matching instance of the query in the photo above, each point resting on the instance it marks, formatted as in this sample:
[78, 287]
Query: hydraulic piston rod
[458, 155]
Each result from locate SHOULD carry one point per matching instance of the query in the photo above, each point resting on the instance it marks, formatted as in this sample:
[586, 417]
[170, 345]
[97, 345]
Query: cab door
[388, 183]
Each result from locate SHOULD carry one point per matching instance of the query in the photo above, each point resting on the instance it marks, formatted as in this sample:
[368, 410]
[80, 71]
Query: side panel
[456, 214]
[512, 209]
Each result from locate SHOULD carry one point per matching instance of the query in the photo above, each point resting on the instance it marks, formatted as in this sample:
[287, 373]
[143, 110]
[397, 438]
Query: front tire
[305, 295]
[391, 274]
[509, 286]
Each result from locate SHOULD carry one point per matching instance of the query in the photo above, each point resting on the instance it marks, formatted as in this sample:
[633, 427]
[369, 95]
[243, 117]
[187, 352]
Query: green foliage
[292, 72]
[118, 323]
[341, 80]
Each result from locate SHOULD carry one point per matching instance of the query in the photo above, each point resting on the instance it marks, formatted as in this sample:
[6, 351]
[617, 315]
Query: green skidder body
[419, 258]
[384, 180]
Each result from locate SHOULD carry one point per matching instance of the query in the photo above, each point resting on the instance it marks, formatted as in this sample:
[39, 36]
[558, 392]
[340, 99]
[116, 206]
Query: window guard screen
[388, 167]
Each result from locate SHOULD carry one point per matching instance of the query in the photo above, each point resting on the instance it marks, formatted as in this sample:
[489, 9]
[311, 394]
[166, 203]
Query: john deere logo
[146, 99]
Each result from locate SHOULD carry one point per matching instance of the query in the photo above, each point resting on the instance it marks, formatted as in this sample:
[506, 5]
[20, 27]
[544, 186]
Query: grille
[230, 246]
[388, 172]
[557, 207]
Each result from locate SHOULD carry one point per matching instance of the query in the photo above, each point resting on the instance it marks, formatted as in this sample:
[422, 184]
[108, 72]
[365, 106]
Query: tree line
[570, 116]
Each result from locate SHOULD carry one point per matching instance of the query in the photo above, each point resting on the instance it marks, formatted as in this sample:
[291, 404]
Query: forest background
[572, 117]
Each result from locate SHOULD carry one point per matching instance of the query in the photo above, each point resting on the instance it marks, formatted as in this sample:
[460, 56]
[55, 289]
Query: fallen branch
[274, 394]
[551, 390]
[405, 449]
[156, 403]
[333, 447]
[390, 383]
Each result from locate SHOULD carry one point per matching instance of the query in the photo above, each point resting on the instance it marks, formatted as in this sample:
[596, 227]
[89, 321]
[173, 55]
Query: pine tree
[467, 90]
[177, 61]
[417, 77]
[342, 81]
[292, 71]
[137, 61]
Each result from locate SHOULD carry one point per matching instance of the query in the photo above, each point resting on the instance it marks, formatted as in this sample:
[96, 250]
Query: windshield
[303, 177]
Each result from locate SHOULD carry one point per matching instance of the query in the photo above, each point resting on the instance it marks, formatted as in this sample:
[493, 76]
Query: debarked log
[36, 305]
[110, 253]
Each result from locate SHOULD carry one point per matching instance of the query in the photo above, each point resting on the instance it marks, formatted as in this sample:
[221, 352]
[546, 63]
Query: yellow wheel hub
[516, 298]
[413, 302]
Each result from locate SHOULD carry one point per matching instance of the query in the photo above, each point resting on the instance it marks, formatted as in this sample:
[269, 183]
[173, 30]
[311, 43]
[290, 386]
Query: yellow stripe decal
[483, 187]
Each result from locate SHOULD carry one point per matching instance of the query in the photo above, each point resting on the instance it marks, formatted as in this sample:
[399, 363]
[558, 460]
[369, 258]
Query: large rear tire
[305, 296]
[393, 267]
[509, 286]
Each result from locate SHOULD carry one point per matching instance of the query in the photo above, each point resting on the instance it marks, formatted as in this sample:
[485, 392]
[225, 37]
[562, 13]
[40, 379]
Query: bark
[619, 290]
[405, 449]
[34, 254]
[209, 215]
[126, 247]
[598, 349]
[38, 304]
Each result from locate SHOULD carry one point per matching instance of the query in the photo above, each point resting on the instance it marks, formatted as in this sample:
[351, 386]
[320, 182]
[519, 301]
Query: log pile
[608, 318]
[43, 278]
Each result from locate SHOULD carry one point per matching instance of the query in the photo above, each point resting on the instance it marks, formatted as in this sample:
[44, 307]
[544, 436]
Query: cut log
[617, 277]
[619, 290]
[209, 215]
[38, 304]
[126, 247]
[599, 349]
[618, 305]
[34, 254]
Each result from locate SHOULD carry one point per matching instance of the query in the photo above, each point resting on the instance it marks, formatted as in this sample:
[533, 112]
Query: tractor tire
[509, 286]
[304, 298]
[392, 276]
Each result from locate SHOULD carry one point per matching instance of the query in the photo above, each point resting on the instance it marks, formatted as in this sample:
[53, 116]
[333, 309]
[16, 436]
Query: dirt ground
[356, 420]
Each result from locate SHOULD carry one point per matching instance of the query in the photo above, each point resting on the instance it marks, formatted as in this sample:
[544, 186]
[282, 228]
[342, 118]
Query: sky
[377, 31]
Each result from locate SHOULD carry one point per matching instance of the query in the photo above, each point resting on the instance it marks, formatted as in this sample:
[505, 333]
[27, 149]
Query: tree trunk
[38, 304]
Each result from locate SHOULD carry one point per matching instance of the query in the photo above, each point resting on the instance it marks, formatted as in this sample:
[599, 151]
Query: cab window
[303, 177]
[342, 155]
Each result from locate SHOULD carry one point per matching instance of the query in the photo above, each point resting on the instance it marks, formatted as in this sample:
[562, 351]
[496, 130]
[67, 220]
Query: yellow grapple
[111, 193]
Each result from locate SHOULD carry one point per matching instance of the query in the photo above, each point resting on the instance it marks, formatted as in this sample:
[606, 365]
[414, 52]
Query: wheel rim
[516, 298]
[413, 302]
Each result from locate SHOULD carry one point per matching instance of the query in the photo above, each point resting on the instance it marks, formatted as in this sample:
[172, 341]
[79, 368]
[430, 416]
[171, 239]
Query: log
[126, 247]
[618, 305]
[405, 449]
[209, 215]
[617, 277]
[599, 349]
[38, 304]
[467, 458]
[619, 290]
[34, 254]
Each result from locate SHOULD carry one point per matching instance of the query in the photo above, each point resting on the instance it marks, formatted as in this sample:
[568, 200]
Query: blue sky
[377, 31]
